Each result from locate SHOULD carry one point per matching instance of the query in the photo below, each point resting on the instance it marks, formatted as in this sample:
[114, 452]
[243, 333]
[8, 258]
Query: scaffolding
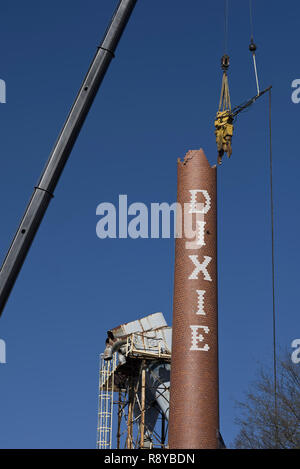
[135, 388]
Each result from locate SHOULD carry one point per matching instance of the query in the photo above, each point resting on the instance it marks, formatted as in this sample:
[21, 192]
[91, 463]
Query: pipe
[111, 349]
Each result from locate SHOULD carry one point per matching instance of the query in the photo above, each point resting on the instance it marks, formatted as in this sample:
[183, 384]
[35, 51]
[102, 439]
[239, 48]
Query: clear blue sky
[157, 101]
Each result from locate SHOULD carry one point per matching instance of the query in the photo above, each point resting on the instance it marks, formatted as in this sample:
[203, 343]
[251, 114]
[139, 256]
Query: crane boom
[237, 109]
[60, 153]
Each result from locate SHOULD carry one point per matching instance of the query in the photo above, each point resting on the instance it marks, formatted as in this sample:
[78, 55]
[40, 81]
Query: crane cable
[225, 103]
[252, 48]
[273, 275]
[226, 8]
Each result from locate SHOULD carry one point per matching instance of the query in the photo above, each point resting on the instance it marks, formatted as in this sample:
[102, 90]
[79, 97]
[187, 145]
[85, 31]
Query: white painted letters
[196, 207]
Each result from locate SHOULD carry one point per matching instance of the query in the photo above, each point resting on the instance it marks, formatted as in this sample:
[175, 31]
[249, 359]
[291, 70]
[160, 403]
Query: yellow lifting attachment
[224, 118]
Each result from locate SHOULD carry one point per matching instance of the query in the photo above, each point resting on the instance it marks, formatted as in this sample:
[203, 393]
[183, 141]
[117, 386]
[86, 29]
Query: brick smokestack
[194, 400]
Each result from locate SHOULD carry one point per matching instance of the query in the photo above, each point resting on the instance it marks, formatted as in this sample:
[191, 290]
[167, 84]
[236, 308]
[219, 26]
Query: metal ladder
[105, 403]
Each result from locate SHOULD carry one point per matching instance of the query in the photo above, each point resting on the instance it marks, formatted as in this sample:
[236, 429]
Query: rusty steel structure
[134, 382]
[194, 398]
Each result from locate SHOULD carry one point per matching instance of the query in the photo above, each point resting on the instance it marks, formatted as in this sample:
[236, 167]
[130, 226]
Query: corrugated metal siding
[151, 322]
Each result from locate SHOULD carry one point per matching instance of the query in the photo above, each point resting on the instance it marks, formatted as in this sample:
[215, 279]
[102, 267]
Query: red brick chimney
[194, 400]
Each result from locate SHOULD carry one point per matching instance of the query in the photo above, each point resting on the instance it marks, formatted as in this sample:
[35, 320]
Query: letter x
[200, 267]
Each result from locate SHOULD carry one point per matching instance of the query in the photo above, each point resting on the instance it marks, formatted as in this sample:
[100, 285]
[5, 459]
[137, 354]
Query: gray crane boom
[60, 153]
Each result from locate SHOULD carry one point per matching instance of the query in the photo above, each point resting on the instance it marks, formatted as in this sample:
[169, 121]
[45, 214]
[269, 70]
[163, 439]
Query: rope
[252, 46]
[273, 276]
[225, 103]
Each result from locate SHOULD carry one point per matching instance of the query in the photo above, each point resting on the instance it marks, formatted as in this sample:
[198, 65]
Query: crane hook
[252, 46]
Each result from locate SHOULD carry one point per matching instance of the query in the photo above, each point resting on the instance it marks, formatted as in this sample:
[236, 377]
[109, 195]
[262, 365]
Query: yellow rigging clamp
[224, 118]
